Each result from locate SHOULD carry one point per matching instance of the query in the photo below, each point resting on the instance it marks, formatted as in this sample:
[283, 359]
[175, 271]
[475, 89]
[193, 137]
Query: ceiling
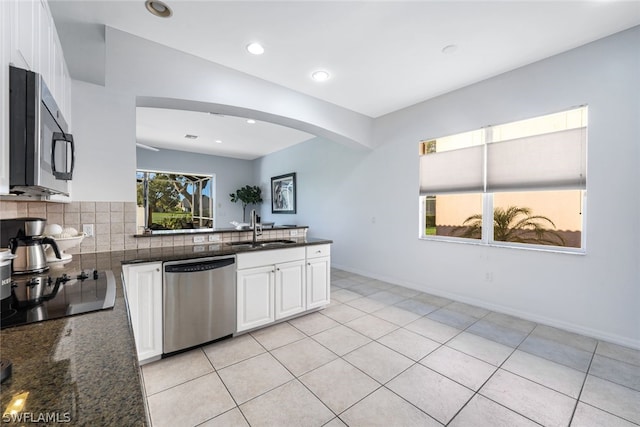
[219, 135]
[382, 55]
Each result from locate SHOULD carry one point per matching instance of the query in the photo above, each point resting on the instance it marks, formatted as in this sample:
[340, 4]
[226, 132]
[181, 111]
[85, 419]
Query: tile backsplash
[114, 225]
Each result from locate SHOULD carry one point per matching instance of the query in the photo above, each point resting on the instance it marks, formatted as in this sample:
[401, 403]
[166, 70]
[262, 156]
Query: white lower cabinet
[318, 275]
[281, 283]
[290, 289]
[271, 286]
[255, 297]
[318, 282]
[143, 291]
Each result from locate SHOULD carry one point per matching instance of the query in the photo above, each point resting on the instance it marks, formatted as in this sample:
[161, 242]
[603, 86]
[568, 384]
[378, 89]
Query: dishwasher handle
[194, 267]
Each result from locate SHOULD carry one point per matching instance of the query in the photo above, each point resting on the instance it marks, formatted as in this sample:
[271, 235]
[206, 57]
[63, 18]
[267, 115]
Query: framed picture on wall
[283, 194]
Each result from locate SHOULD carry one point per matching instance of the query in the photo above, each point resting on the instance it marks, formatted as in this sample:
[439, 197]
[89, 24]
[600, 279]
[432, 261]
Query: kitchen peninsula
[85, 368]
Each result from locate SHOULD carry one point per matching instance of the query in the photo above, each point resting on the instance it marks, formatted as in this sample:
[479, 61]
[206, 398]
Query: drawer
[317, 251]
[268, 257]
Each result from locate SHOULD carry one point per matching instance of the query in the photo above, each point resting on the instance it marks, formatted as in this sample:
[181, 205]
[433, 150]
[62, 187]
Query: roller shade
[452, 171]
[550, 161]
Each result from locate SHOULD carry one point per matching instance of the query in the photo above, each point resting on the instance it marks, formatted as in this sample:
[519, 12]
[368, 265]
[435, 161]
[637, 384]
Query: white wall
[230, 174]
[139, 71]
[152, 70]
[368, 202]
[104, 131]
[324, 199]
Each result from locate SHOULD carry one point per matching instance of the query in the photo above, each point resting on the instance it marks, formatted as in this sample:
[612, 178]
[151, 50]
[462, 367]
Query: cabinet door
[290, 289]
[44, 53]
[255, 297]
[5, 59]
[318, 282]
[143, 287]
[26, 35]
[66, 111]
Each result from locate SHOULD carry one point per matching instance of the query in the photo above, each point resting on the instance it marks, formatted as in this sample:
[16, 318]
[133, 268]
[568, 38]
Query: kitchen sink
[267, 243]
[261, 244]
[240, 245]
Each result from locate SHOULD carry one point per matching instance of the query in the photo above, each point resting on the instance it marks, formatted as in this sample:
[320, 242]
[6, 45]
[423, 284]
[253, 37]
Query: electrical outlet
[87, 229]
[214, 237]
[293, 233]
[198, 239]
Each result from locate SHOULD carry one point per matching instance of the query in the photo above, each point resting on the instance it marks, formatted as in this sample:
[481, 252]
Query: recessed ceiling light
[449, 49]
[189, 136]
[251, 121]
[320, 75]
[255, 48]
[158, 8]
[218, 141]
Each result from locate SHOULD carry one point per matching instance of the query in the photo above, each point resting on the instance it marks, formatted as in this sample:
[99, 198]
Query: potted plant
[248, 195]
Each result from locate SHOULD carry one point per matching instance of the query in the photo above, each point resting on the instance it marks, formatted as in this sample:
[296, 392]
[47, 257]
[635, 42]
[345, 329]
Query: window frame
[487, 238]
[199, 216]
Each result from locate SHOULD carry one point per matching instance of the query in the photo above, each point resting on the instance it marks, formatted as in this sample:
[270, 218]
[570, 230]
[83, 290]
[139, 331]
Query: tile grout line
[586, 376]
[380, 385]
[226, 388]
[477, 392]
[383, 385]
[295, 377]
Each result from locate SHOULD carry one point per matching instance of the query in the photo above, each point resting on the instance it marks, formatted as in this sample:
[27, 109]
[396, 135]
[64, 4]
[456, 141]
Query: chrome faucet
[255, 227]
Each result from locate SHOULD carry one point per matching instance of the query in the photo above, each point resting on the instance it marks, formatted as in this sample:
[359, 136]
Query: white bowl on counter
[64, 244]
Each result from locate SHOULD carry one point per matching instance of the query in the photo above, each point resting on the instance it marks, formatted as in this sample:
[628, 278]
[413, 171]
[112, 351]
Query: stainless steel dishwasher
[199, 301]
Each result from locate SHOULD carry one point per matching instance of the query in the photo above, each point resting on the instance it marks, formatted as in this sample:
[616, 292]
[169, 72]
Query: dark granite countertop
[83, 369]
[176, 253]
[160, 233]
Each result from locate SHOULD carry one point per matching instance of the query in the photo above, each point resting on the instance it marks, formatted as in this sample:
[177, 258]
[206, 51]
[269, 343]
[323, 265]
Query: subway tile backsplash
[114, 224]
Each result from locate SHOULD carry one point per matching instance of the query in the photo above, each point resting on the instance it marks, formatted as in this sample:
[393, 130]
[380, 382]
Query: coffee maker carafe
[28, 247]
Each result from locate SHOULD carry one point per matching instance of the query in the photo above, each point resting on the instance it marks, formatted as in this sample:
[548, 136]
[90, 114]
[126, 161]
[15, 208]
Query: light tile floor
[385, 355]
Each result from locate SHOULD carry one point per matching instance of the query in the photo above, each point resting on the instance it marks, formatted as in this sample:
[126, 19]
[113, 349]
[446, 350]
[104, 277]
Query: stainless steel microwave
[41, 151]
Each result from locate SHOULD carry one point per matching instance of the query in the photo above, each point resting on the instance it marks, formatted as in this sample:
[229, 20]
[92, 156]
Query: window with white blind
[518, 184]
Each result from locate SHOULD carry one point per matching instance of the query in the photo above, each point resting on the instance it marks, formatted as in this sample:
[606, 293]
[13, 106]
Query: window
[169, 202]
[518, 184]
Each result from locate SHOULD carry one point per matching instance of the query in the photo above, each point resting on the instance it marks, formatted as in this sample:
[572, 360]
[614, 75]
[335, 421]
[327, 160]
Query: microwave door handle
[69, 139]
[59, 136]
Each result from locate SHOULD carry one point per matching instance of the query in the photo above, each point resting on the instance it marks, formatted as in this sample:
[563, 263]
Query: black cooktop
[39, 297]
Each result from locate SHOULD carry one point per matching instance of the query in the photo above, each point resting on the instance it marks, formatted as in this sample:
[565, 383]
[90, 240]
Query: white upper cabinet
[35, 46]
[25, 34]
[5, 58]
[29, 40]
[45, 60]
